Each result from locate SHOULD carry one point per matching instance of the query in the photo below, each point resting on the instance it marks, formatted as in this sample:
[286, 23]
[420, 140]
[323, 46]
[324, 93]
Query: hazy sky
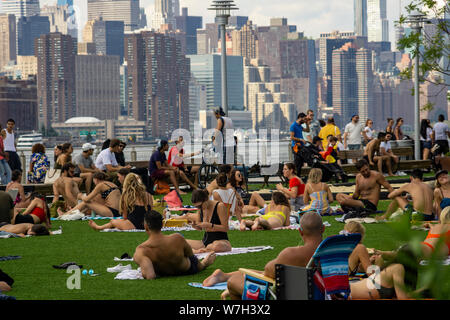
[312, 17]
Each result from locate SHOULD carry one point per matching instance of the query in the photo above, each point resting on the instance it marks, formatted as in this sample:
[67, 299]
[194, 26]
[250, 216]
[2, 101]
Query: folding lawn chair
[325, 276]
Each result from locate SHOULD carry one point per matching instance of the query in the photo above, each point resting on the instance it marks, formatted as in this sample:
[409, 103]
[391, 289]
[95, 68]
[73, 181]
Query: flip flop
[125, 256]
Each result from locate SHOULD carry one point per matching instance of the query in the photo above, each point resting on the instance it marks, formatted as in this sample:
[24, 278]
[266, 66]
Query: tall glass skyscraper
[377, 22]
[20, 8]
[360, 17]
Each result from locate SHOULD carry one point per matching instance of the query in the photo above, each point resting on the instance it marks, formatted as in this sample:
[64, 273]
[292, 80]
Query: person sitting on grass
[359, 260]
[135, 201]
[159, 168]
[37, 212]
[224, 168]
[296, 187]
[317, 193]
[104, 199]
[22, 200]
[311, 230]
[213, 219]
[397, 280]
[25, 229]
[167, 255]
[228, 196]
[367, 189]
[66, 186]
[438, 231]
[277, 215]
[421, 195]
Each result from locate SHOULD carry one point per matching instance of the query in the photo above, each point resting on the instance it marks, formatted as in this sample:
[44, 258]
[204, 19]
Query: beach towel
[218, 286]
[444, 262]
[5, 235]
[75, 215]
[129, 275]
[7, 258]
[174, 229]
[236, 251]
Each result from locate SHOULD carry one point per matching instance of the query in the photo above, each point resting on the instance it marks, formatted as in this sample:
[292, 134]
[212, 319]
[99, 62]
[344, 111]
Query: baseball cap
[441, 172]
[87, 147]
[316, 138]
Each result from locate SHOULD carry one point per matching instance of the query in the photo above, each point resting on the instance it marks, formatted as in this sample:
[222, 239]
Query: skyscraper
[127, 11]
[245, 41]
[97, 86]
[165, 13]
[377, 22]
[108, 37]
[158, 82]
[28, 29]
[207, 70]
[56, 78]
[360, 17]
[61, 19]
[20, 8]
[189, 25]
[364, 74]
[7, 39]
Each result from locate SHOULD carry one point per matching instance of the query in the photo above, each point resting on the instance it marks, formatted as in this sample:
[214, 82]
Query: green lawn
[36, 279]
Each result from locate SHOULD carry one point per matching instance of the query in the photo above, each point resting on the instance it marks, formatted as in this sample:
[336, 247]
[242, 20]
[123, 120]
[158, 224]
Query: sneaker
[119, 268]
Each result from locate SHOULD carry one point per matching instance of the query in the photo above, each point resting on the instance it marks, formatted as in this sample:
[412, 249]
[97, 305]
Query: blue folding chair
[325, 276]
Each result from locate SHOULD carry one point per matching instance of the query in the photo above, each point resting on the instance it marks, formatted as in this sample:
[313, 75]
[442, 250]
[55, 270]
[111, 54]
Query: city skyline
[324, 16]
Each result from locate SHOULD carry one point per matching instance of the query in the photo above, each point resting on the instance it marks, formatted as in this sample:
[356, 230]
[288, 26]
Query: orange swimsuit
[437, 236]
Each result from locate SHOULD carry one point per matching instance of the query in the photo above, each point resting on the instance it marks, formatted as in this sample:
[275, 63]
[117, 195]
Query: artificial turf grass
[35, 278]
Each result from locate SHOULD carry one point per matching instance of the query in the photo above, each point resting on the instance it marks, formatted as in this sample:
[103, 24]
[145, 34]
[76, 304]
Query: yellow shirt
[326, 131]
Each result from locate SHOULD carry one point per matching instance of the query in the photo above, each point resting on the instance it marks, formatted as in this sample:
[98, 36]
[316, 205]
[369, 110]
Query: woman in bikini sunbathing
[438, 231]
[359, 260]
[278, 215]
[398, 280]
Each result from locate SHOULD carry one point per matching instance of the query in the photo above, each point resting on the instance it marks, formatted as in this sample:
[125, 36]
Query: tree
[434, 45]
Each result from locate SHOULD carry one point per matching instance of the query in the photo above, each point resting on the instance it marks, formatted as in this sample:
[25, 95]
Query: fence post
[291, 156]
[133, 154]
[24, 168]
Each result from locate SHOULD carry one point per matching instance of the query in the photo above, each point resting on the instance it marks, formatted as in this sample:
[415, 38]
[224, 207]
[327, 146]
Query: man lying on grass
[163, 255]
[311, 230]
[24, 229]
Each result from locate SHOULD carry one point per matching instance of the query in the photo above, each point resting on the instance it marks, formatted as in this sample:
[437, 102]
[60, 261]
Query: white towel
[75, 215]
[130, 275]
[175, 229]
[236, 251]
[444, 263]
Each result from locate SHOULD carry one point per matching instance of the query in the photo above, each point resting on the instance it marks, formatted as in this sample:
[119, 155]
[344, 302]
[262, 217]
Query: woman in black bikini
[134, 203]
[212, 219]
[104, 199]
[398, 280]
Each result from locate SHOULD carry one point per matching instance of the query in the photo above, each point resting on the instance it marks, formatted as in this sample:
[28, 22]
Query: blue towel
[218, 286]
[10, 258]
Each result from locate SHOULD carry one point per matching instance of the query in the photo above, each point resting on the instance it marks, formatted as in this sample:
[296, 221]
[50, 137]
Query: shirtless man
[372, 153]
[421, 194]
[24, 229]
[163, 255]
[66, 186]
[367, 188]
[311, 230]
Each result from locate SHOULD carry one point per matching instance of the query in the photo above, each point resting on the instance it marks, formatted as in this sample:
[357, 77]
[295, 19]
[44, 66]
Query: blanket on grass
[218, 286]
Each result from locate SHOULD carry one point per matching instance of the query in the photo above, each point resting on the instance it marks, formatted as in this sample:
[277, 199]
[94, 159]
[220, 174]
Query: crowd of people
[116, 190]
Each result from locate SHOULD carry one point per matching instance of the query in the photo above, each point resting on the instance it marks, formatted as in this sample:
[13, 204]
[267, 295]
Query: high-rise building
[364, 74]
[7, 39]
[377, 21]
[28, 29]
[208, 39]
[142, 19]
[165, 13]
[207, 70]
[360, 17]
[158, 82]
[97, 86]
[56, 54]
[189, 25]
[245, 41]
[123, 89]
[127, 11]
[298, 72]
[20, 8]
[197, 101]
[108, 37]
[269, 38]
[19, 102]
[237, 21]
[61, 19]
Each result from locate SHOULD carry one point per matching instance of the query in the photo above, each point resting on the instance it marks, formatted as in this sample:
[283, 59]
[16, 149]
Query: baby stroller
[314, 159]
